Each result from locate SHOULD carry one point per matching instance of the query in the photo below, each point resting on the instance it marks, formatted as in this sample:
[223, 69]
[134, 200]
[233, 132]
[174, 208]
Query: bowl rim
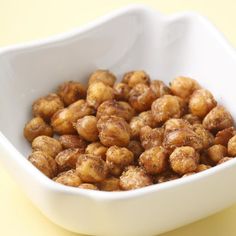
[16, 156]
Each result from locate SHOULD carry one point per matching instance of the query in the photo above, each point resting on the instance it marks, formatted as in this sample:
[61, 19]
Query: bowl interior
[164, 46]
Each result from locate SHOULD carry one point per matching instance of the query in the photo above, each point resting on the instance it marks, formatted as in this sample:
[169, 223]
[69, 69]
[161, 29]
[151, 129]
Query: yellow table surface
[25, 20]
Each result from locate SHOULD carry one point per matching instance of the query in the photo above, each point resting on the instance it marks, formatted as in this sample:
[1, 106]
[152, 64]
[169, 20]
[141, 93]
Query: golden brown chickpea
[201, 102]
[154, 160]
[182, 137]
[71, 91]
[134, 177]
[113, 130]
[133, 78]
[225, 159]
[217, 119]
[223, 136]
[45, 163]
[87, 128]
[136, 148]
[159, 88]
[114, 169]
[232, 146]
[97, 93]
[104, 76]
[183, 86]
[184, 160]
[143, 119]
[206, 137]
[68, 178]
[91, 169]
[72, 141]
[151, 137]
[192, 119]
[96, 149]
[67, 159]
[216, 152]
[141, 97]
[48, 145]
[88, 186]
[110, 184]
[166, 107]
[121, 91]
[120, 156]
[203, 167]
[45, 107]
[176, 124]
[115, 108]
[37, 127]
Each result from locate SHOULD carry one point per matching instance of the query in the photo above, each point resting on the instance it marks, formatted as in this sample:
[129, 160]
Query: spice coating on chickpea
[216, 153]
[110, 184]
[68, 178]
[113, 130]
[232, 146]
[154, 160]
[45, 163]
[136, 148]
[134, 177]
[141, 97]
[159, 88]
[114, 169]
[192, 119]
[71, 91]
[133, 78]
[87, 128]
[48, 145]
[91, 169]
[72, 141]
[176, 124]
[104, 76]
[184, 160]
[223, 136]
[121, 91]
[96, 149]
[37, 127]
[116, 108]
[45, 107]
[88, 186]
[183, 86]
[166, 107]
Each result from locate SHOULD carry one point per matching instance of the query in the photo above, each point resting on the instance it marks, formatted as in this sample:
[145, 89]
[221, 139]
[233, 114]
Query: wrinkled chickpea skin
[103, 76]
[136, 77]
[121, 91]
[96, 149]
[68, 178]
[72, 141]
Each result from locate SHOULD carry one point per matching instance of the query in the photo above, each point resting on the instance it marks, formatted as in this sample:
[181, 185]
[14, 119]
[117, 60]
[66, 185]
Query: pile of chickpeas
[116, 136]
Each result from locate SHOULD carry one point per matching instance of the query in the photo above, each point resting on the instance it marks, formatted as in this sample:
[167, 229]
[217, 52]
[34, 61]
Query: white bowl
[132, 38]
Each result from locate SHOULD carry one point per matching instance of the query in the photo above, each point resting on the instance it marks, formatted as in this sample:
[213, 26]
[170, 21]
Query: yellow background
[24, 20]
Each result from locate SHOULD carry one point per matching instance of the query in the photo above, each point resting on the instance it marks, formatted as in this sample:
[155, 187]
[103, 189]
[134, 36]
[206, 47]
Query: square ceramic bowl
[132, 38]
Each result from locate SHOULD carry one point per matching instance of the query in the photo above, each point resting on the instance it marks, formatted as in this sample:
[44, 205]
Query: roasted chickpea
[97, 93]
[216, 152]
[183, 86]
[121, 91]
[91, 169]
[159, 88]
[184, 160]
[224, 160]
[68, 178]
[151, 137]
[232, 146]
[188, 174]
[143, 119]
[165, 176]
[136, 148]
[116, 108]
[113, 130]
[104, 76]
[45, 107]
[203, 167]
[201, 102]
[154, 160]
[217, 119]
[72, 141]
[176, 124]
[141, 97]
[44, 163]
[88, 186]
[192, 119]
[110, 184]
[71, 91]
[223, 136]
[37, 127]
[166, 107]
[182, 137]
[96, 149]
[206, 137]
[114, 169]
[134, 177]
[120, 156]
[67, 159]
[87, 128]
[133, 78]
[48, 145]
